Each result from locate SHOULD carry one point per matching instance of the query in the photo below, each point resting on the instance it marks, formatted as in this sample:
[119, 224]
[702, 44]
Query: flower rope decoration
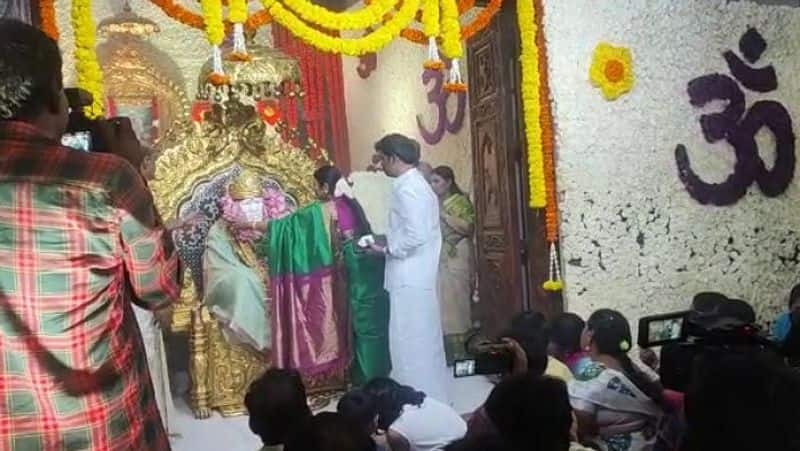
[215, 33]
[451, 45]
[431, 28]
[612, 70]
[191, 19]
[47, 16]
[237, 13]
[369, 43]
[553, 282]
[90, 77]
[531, 101]
[365, 17]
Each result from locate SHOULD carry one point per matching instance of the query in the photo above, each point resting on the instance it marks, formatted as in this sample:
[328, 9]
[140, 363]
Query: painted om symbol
[438, 97]
[739, 127]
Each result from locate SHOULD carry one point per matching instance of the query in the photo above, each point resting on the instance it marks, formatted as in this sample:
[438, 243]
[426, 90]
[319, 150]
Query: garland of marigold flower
[47, 15]
[212, 18]
[320, 16]
[90, 77]
[553, 282]
[194, 20]
[237, 11]
[531, 101]
[369, 43]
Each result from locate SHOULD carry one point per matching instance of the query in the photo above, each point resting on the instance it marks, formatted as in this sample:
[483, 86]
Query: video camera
[489, 357]
[687, 334]
[81, 131]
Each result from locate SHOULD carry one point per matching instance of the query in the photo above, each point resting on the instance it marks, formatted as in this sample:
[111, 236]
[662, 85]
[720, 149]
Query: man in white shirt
[413, 244]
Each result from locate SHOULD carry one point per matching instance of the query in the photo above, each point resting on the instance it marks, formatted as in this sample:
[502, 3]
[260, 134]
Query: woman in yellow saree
[457, 261]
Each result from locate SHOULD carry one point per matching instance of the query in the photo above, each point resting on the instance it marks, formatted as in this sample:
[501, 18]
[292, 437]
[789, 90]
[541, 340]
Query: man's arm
[151, 261]
[414, 229]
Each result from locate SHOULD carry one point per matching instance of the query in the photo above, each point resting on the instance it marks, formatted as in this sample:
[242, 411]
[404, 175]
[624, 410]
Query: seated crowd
[572, 387]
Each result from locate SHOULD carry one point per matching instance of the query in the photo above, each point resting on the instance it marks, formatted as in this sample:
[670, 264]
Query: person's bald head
[426, 169]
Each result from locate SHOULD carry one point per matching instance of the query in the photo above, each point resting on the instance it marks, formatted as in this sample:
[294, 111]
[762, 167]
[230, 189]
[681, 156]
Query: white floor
[233, 434]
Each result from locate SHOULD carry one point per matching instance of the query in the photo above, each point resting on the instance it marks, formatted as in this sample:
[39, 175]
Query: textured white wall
[389, 100]
[632, 237]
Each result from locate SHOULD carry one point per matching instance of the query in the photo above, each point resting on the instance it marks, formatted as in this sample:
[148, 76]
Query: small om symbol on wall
[438, 97]
[739, 126]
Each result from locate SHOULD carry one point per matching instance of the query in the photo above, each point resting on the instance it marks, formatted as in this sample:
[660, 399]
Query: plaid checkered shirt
[79, 240]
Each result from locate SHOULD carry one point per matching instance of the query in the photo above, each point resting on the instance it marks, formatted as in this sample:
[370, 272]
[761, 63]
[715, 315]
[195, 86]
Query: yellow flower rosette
[612, 70]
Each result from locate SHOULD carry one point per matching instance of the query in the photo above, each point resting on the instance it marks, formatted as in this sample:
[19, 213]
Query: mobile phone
[659, 330]
[78, 140]
[484, 364]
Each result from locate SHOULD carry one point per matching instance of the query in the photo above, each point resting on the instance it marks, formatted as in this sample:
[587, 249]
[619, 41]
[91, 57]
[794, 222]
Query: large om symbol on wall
[739, 126]
[438, 97]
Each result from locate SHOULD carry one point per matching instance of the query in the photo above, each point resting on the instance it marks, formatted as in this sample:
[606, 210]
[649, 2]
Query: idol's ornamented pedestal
[235, 127]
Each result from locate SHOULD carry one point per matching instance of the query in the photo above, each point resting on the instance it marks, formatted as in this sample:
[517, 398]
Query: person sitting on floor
[276, 402]
[614, 401]
[531, 412]
[565, 341]
[328, 431]
[359, 407]
[412, 420]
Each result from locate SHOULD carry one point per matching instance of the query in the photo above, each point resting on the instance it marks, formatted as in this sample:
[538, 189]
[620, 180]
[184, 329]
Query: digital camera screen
[464, 368]
[661, 329]
[665, 329]
[79, 141]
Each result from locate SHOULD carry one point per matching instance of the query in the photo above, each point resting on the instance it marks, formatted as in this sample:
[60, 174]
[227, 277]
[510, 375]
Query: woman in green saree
[457, 262]
[314, 263]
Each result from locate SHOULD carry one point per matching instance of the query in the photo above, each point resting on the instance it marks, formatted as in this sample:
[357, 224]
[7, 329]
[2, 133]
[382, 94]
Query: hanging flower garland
[90, 77]
[190, 19]
[369, 43]
[215, 33]
[531, 106]
[47, 15]
[365, 17]
[553, 282]
[431, 28]
[237, 13]
[451, 45]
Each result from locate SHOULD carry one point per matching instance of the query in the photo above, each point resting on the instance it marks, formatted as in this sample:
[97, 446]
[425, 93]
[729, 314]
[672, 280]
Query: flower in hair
[14, 91]
[624, 346]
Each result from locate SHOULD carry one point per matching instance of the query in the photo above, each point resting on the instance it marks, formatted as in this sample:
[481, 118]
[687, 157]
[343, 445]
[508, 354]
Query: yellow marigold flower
[612, 70]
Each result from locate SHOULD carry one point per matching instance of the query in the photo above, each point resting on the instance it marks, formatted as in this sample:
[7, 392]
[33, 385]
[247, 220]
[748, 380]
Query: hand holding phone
[121, 140]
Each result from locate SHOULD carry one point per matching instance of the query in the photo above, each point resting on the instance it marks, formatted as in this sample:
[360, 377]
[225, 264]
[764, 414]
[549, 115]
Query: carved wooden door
[497, 172]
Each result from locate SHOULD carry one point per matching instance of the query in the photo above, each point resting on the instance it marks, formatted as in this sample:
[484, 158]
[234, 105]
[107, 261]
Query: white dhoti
[415, 341]
[157, 364]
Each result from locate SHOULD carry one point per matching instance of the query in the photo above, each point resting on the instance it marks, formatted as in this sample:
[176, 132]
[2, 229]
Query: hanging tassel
[454, 81]
[217, 77]
[239, 44]
[434, 61]
[554, 282]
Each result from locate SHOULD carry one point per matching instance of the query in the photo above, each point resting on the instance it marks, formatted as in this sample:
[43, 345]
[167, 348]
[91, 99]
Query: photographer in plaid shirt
[79, 241]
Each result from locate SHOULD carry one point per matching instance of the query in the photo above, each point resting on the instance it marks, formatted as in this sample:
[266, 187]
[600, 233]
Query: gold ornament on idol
[90, 77]
[246, 186]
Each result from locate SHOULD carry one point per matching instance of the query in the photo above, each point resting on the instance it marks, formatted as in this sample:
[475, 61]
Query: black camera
[489, 357]
[81, 131]
[685, 335]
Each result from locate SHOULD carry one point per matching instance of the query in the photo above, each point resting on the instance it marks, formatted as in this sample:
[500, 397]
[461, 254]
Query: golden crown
[246, 186]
